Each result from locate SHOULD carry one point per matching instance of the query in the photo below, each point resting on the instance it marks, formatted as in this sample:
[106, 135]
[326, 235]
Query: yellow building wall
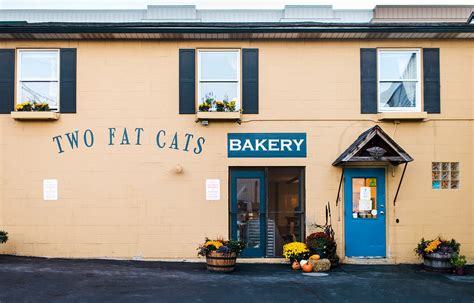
[127, 201]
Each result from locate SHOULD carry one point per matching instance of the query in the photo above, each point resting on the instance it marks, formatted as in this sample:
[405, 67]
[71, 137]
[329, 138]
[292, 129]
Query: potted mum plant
[295, 252]
[221, 256]
[459, 261]
[437, 253]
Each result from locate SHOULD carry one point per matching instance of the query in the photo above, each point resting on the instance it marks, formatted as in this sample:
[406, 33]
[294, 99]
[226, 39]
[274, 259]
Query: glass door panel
[247, 210]
[284, 208]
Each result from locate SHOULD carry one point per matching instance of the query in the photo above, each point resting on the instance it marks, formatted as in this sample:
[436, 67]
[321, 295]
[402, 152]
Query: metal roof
[234, 31]
[189, 13]
[185, 22]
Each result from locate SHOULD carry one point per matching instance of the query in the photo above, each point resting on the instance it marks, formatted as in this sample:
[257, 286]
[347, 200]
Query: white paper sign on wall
[213, 189]
[365, 193]
[50, 189]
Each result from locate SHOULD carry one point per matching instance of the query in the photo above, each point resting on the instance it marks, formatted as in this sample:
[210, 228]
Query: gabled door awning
[374, 145]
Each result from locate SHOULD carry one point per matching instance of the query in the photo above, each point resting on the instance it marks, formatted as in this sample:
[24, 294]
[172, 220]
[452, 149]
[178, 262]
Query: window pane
[40, 92]
[398, 65]
[248, 210]
[219, 66]
[284, 223]
[219, 91]
[39, 65]
[364, 196]
[397, 94]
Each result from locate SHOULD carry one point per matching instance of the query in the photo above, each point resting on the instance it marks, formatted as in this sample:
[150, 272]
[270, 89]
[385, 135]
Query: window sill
[414, 116]
[35, 116]
[218, 115]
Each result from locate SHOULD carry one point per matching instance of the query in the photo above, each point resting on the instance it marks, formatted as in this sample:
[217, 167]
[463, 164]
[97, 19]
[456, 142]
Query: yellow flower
[432, 246]
[216, 244]
[294, 249]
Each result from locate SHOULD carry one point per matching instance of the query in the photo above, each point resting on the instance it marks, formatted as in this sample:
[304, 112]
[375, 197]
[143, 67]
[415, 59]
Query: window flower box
[34, 115]
[34, 111]
[212, 109]
[218, 115]
[413, 116]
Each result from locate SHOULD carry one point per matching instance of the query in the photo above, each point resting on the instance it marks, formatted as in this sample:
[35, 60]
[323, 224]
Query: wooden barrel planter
[220, 262]
[438, 262]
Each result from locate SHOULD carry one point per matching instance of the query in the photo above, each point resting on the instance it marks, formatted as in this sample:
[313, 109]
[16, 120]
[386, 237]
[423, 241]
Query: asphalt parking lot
[63, 280]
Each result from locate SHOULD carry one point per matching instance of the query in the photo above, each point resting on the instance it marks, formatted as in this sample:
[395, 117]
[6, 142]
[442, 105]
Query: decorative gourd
[303, 262]
[307, 267]
[296, 265]
[315, 257]
[322, 265]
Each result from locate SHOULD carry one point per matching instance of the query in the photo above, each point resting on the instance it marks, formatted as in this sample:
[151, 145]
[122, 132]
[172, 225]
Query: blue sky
[206, 4]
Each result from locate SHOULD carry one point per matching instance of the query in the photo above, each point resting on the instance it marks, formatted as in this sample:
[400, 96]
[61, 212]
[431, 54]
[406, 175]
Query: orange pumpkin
[296, 265]
[315, 257]
[307, 267]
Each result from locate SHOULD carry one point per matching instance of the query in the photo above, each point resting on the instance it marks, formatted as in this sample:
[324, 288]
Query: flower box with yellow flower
[34, 111]
[437, 253]
[221, 256]
[213, 109]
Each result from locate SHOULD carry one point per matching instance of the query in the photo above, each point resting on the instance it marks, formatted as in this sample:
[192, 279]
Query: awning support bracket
[339, 189]
[400, 184]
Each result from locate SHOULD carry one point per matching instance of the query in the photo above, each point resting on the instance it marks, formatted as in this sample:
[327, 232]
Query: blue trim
[365, 237]
[249, 174]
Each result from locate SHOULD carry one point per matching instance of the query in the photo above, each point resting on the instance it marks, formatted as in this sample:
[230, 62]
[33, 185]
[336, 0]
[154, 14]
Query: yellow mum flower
[432, 246]
[216, 244]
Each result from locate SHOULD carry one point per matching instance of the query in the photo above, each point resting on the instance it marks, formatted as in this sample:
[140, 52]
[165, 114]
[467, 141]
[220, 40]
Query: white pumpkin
[303, 262]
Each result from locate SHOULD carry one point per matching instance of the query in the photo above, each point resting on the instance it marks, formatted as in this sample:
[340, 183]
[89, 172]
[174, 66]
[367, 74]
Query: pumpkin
[315, 257]
[296, 265]
[307, 267]
[303, 262]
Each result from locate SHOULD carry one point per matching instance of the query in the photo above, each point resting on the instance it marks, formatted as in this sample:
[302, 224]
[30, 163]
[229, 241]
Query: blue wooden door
[364, 212]
[248, 210]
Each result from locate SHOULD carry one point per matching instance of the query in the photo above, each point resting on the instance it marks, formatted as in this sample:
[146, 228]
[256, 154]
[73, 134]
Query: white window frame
[239, 72]
[20, 79]
[417, 108]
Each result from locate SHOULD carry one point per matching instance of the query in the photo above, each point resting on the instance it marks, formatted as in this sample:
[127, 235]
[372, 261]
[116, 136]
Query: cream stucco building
[131, 152]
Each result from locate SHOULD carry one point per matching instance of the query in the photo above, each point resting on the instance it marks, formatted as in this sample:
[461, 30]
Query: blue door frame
[249, 174]
[364, 237]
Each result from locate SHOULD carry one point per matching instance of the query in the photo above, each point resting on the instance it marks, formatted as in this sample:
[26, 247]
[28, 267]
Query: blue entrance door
[364, 204]
[247, 210]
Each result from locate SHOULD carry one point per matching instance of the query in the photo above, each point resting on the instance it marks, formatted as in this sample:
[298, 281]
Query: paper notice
[50, 189]
[213, 189]
[365, 193]
[365, 205]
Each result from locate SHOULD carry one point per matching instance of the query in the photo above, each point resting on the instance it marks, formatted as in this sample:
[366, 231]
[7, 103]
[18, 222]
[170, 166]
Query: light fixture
[376, 152]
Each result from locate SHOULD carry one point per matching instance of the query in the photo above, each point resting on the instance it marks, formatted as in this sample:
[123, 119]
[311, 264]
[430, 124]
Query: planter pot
[35, 115]
[438, 262]
[220, 262]
[459, 271]
[218, 115]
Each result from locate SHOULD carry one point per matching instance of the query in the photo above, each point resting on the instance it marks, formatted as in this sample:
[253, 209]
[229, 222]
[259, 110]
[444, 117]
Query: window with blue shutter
[391, 80]
[226, 79]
